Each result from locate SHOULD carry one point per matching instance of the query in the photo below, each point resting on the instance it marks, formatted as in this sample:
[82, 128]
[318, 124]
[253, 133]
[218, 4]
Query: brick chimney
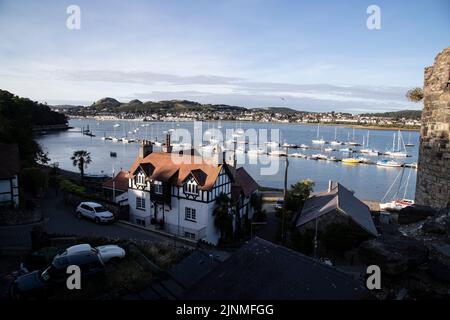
[145, 149]
[167, 146]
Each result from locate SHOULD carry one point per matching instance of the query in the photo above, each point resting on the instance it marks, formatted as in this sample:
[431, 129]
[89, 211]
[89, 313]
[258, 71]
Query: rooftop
[262, 270]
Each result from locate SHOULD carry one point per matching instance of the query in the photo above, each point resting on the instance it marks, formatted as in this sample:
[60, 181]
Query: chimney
[330, 185]
[167, 146]
[145, 149]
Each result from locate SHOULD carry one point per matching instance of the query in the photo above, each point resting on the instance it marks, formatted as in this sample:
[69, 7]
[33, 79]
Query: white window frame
[158, 187]
[140, 203]
[189, 235]
[190, 214]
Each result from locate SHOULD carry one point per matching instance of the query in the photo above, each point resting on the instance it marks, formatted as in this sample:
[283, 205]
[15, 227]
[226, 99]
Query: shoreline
[344, 125]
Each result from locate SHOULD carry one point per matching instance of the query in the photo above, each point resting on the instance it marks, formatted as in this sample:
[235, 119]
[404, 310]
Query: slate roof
[245, 182]
[339, 199]
[9, 155]
[261, 270]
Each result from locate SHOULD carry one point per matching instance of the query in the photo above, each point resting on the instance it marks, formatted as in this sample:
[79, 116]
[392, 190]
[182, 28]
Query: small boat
[332, 158]
[103, 138]
[346, 150]
[304, 146]
[125, 140]
[116, 125]
[113, 154]
[255, 152]
[273, 143]
[396, 205]
[298, 155]
[115, 139]
[409, 144]
[398, 201]
[289, 145]
[319, 156]
[319, 141]
[388, 163]
[157, 144]
[329, 149]
[313, 157]
[351, 160]
[411, 165]
[363, 160]
[336, 142]
[277, 153]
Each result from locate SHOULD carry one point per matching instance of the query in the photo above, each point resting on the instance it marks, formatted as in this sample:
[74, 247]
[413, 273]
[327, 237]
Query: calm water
[368, 181]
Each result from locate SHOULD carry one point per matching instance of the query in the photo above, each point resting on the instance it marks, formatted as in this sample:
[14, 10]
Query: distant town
[183, 110]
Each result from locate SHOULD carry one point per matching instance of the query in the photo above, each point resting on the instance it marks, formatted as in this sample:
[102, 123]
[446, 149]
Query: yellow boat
[351, 160]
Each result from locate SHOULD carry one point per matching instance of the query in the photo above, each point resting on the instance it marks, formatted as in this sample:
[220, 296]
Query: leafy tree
[18, 116]
[415, 94]
[256, 202]
[222, 216]
[297, 195]
[81, 158]
[34, 180]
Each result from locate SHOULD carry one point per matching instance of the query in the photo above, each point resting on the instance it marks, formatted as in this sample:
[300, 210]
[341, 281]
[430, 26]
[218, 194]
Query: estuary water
[369, 181]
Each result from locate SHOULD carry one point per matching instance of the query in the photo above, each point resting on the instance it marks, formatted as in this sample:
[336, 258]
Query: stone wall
[433, 175]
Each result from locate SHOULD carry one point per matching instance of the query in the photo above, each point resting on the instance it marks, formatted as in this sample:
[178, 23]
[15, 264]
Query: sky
[306, 55]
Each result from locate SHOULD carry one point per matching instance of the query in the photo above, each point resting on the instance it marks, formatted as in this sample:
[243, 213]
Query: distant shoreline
[345, 125]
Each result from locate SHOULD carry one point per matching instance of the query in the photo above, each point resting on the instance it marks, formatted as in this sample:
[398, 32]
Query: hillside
[407, 114]
[137, 106]
[18, 116]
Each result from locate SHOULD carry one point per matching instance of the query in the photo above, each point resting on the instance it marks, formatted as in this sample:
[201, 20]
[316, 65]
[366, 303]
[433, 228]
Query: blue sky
[317, 55]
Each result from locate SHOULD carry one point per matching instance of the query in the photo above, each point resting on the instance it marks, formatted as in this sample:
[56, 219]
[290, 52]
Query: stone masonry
[433, 174]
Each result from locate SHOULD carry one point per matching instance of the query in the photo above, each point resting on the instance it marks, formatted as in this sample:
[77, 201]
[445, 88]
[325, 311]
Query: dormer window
[158, 187]
[140, 179]
[191, 188]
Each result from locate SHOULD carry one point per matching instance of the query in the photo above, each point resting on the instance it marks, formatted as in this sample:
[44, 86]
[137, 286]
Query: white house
[179, 192]
[9, 169]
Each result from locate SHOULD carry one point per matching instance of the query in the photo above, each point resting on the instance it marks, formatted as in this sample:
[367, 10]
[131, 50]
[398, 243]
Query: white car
[106, 253]
[94, 211]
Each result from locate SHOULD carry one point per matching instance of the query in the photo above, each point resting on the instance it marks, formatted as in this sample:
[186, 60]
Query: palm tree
[81, 158]
[222, 215]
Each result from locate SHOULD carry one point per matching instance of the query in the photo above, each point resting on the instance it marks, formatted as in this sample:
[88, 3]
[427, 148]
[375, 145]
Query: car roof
[79, 248]
[92, 204]
[77, 259]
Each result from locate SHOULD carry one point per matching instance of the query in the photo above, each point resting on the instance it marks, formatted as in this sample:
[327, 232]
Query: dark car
[41, 283]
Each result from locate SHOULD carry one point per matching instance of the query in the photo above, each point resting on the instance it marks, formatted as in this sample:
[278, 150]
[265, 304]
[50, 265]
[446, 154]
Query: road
[60, 218]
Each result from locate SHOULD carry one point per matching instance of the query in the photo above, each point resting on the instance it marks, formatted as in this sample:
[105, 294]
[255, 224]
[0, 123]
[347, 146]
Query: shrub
[34, 180]
[70, 187]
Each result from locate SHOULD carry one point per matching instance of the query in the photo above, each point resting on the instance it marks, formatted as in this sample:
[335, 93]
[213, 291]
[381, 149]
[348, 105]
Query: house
[116, 188]
[178, 192]
[336, 205]
[242, 189]
[262, 270]
[9, 170]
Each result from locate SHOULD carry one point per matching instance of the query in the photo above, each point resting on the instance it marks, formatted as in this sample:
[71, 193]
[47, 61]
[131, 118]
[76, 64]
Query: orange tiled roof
[161, 166]
[121, 182]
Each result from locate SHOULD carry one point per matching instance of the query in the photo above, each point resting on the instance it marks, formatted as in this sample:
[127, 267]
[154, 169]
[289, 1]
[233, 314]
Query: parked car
[94, 211]
[279, 205]
[107, 252]
[41, 283]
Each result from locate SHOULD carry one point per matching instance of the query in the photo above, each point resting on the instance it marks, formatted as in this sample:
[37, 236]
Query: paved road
[60, 218]
[269, 231]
